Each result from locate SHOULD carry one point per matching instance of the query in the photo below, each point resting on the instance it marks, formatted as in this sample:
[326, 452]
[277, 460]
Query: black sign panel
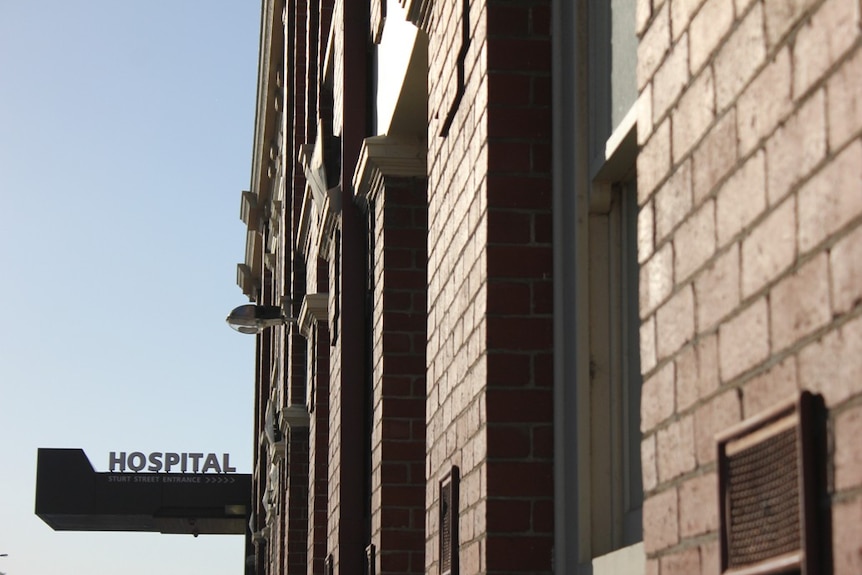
[72, 496]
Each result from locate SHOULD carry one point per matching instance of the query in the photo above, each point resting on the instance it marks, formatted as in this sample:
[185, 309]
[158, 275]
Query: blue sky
[125, 141]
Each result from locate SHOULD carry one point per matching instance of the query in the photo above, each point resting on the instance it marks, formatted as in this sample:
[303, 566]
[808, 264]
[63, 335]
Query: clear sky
[125, 141]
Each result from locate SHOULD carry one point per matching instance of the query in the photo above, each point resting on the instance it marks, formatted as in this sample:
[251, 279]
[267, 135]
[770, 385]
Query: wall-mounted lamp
[251, 318]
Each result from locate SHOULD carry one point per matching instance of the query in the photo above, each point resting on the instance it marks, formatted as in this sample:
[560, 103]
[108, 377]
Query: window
[616, 492]
[610, 284]
[597, 351]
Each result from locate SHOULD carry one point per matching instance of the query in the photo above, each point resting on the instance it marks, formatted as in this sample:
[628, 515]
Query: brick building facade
[553, 271]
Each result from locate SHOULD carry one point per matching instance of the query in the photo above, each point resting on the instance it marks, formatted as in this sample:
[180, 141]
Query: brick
[686, 377]
[764, 103]
[781, 15]
[846, 543]
[509, 515]
[717, 289]
[675, 323]
[694, 242]
[694, 114]
[643, 12]
[509, 297]
[507, 442]
[543, 297]
[661, 521]
[796, 148]
[832, 366]
[715, 156]
[770, 388]
[708, 27]
[517, 53]
[508, 20]
[471, 556]
[649, 468]
[710, 558]
[743, 341]
[741, 199]
[822, 41]
[645, 123]
[518, 192]
[844, 104]
[799, 304]
[675, 449]
[770, 249]
[646, 232]
[540, 23]
[826, 202]
[681, 14]
[509, 157]
[653, 162]
[647, 345]
[673, 202]
[514, 554]
[740, 57]
[507, 226]
[653, 46]
[696, 372]
[698, 506]
[657, 398]
[683, 562]
[518, 261]
[669, 79]
[527, 123]
[519, 333]
[656, 279]
[517, 405]
[711, 418]
[845, 263]
[742, 5]
[848, 456]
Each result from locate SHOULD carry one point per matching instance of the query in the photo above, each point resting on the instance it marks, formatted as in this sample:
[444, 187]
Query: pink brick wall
[749, 178]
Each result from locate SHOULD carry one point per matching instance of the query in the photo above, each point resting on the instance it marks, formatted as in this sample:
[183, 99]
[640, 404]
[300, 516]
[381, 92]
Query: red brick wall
[489, 375]
[399, 321]
[519, 309]
[318, 454]
[750, 162]
[457, 286]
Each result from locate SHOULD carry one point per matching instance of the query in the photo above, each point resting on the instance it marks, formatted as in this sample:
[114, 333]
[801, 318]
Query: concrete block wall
[749, 240]
[489, 282]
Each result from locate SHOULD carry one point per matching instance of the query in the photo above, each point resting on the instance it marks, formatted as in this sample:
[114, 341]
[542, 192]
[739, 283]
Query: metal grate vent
[448, 535]
[766, 490]
[763, 500]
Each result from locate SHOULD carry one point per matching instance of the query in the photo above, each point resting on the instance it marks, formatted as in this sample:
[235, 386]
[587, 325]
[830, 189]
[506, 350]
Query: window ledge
[630, 560]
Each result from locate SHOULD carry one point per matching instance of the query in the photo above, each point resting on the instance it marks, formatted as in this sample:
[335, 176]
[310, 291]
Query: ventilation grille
[767, 494]
[763, 500]
[449, 523]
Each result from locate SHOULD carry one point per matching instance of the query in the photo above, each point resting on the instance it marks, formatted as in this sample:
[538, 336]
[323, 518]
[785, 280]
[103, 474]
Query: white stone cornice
[314, 308]
[383, 156]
